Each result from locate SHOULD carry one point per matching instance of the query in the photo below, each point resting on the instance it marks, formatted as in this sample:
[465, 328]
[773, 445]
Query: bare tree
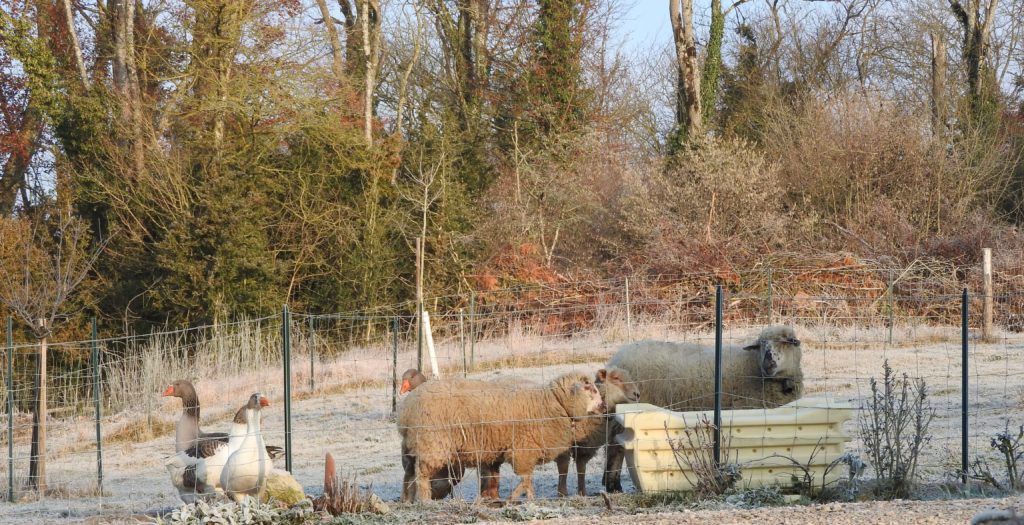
[39, 272]
[976, 18]
[688, 103]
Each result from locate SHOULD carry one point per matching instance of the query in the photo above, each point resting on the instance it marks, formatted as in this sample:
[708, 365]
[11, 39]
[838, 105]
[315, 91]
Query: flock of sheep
[453, 424]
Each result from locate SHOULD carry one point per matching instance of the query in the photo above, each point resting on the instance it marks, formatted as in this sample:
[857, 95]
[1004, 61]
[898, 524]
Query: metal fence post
[718, 375]
[462, 343]
[10, 410]
[892, 319]
[419, 336]
[286, 350]
[472, 330]
[963, 386]
[394, 364]
[312, 354]
[96, 386]
[629, 318]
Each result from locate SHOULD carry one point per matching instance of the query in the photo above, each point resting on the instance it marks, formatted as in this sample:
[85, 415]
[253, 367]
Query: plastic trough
[760, 440]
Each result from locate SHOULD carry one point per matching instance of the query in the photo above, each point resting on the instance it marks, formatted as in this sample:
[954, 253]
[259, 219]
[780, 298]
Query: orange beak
[169, 391]
[264, 402]
[405, 386]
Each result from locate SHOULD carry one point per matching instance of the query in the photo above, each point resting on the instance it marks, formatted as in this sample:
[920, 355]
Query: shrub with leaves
[894, 427]
[769, 496]
[231, 513]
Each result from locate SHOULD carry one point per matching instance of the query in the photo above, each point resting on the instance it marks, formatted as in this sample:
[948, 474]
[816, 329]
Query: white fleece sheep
[680, 376]
[474, 423]
[615, 387]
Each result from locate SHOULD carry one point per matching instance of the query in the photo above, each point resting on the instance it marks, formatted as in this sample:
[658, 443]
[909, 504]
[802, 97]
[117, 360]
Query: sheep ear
[791, 341]
[753, 346]
[602, 375]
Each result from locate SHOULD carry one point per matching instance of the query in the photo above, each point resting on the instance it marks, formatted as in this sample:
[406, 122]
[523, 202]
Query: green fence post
[96, 387]
[892, 318]
[312, 354]
[10, 410]
[394, 364]
[286, 350]
[472, 330]
[462, 343]
[629, 317]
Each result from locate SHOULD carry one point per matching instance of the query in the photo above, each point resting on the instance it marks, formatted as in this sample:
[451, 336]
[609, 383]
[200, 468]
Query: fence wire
[345, 366]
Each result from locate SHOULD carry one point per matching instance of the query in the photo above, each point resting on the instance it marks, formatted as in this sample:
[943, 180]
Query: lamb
[615, 387]
[680, 376]
[443, 482]
[476, 423]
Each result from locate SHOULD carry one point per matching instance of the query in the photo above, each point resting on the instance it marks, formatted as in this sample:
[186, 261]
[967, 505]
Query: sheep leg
[581, 475]
[489, 475]
[525, 485]
[423, 474]
[409, 477]
[612, 477]
[562, 462]
[443, 482]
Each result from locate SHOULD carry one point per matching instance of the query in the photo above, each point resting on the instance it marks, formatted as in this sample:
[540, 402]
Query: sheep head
[779, 352]
[618, 386]
[591, 396]
[577, 395]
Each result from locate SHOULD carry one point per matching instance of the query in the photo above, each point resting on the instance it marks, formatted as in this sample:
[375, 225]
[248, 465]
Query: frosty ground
[350, 416]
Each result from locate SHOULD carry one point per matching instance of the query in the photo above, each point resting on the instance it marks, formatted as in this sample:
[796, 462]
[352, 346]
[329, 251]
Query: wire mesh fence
[344, 371]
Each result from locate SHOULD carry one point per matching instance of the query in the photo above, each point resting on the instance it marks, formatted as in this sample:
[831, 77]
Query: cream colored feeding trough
[760, 440]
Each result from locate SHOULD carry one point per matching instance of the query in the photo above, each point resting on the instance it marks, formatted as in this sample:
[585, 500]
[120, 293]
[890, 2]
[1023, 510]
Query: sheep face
[591, 396]
[779, 351]
[619, 386]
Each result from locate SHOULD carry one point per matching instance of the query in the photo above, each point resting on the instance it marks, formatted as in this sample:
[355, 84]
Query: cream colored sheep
[615, 387]
[474, 423]
[680, 376]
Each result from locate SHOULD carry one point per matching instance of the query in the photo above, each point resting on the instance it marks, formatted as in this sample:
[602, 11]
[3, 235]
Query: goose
[411, 379]
[186, 432]
[196, 471]
[245, 473]
[195, 468]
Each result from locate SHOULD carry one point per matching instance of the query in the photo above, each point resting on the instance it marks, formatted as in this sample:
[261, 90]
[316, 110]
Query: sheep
[615, 387]
[442, 482]
[680, 376]
[476, 423]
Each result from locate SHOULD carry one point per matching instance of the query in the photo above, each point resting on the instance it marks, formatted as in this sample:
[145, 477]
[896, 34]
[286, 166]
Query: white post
[429, 337]
[986, 273]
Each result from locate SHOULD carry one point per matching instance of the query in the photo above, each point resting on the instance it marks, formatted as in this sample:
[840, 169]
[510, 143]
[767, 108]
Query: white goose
[245, 473]
[196, 469]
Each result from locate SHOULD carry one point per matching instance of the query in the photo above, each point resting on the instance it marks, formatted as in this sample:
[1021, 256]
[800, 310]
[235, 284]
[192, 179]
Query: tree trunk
[337, 53]
[712, 62]
[370, 20]
[688, 109]
[37, 455]
[20, 158]
[76, 47]
[938, 97]
[977, 28]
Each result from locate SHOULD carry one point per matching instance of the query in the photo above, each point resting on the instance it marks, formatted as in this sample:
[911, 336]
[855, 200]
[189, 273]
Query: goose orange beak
[169, 391]
[264, 402]
[405, 386]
